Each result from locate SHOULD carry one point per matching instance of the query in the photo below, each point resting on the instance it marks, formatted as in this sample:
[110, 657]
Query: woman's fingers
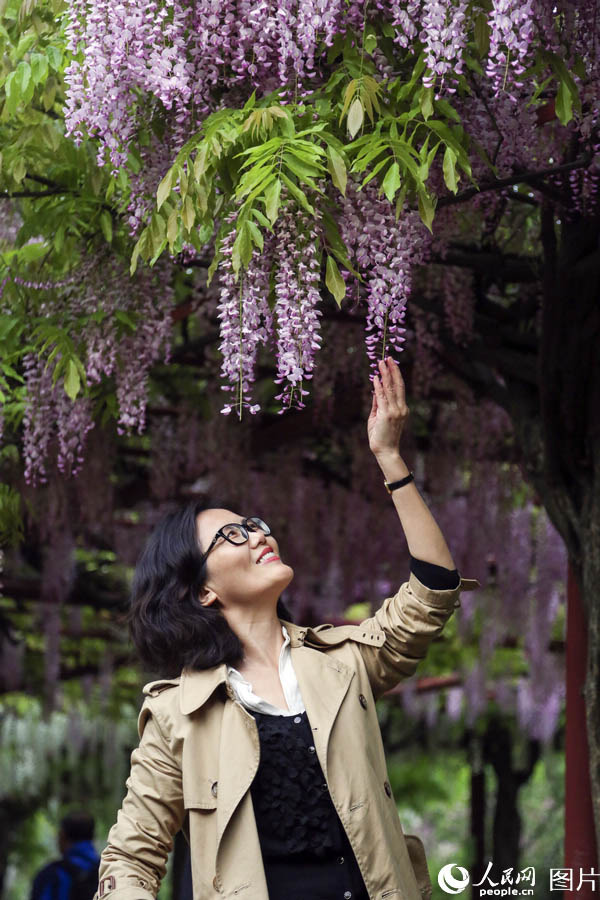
[380, 394]
[392, 382]
[398, 382]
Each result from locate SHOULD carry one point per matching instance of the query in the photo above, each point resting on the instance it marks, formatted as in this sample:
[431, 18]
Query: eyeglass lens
[236, 535]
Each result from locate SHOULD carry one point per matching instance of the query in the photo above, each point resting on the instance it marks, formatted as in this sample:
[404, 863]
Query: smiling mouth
[269, 556]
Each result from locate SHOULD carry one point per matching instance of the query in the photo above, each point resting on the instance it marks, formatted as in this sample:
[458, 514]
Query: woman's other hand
[389, 411]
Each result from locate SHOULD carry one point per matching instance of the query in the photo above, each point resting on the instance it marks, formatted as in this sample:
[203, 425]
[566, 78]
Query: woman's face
[240, 573]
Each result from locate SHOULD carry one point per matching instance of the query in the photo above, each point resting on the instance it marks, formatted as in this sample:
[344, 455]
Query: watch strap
[393, 485]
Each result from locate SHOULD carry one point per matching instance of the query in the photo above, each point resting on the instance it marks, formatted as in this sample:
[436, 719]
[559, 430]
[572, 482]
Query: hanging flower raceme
[405, 16]
[246, 321]
[246, 318]
[512, 29]
[297, 295]
[444, 37]
[51, 416]
[384, 251]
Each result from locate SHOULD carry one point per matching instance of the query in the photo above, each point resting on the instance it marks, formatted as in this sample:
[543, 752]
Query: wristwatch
[392, 485]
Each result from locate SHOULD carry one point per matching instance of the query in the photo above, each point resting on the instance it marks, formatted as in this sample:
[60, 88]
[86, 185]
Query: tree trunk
[498, 750]
[478, 803]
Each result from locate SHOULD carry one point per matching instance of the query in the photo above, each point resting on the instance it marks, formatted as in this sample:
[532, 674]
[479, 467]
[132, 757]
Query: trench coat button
[340, 860]
[387, 788]
[363, 700]
[312, 749]
[324, 786]
[347, 895]
[297, 719]
[213, 788]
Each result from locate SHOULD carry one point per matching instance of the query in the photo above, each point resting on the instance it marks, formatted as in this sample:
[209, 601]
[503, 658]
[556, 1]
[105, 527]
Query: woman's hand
[389, 411]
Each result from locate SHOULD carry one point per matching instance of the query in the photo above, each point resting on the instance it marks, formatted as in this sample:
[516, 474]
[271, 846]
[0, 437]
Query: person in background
[75, 875]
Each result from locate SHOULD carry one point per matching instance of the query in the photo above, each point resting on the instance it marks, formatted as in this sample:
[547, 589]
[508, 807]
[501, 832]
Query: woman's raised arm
[387, 419]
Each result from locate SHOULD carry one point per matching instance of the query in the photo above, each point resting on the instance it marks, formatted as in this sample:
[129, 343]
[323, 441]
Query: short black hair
[78, 826]
[168, 625]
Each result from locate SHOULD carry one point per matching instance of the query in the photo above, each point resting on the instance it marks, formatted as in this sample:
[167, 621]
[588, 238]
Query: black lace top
[305, 850]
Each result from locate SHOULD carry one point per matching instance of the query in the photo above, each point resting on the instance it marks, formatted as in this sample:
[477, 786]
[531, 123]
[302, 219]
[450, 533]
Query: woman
[266, 749]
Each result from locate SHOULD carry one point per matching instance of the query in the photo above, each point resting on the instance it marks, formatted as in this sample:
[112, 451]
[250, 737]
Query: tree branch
[499, 184]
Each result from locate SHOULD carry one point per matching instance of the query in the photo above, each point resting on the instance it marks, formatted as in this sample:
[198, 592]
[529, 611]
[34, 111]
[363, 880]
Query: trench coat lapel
[323, 682]
[239, 754]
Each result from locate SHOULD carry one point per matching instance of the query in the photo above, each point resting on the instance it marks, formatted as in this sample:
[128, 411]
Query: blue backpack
[84, 882]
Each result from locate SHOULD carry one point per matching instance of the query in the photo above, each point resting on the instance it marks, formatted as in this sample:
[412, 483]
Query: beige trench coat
[199, 752]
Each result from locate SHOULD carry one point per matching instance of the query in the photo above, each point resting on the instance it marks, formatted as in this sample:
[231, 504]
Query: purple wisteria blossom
[385, 251]
[297, 295]
[246, 323]
[444, 37]
[512, 29]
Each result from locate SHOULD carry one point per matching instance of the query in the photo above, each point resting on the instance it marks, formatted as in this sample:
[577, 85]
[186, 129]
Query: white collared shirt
[291, 690]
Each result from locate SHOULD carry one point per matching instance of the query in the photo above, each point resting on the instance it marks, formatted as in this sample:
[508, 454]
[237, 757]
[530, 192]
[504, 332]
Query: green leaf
[126, 319]
[140, 248]
[172, 226]
[400, 200]
[337, 169]
[261, 218]
[72, 381]
[442, 106]
[39, 67]
[348, 95]
[482, 34]
[19, 170]
[272, 196]
[253, 177]
[106, 225]
[426, 208]
[426, 102]
[22, 76]
[564, 104]
[256, 234]
[188, 214]
[304, 171]
[164, 189]
[250, 102]
[55, 57]
[334, 281]
[391, 182]
[449, 168]
[370, 42]
[374, 171]
[355, 117]
[200, 164]
[13, 95]
[242, 249]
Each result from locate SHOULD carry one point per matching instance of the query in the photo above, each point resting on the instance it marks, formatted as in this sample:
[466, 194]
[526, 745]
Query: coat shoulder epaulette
[154, 688]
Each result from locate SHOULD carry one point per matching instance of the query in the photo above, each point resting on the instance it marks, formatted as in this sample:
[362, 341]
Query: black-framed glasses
[238, 532]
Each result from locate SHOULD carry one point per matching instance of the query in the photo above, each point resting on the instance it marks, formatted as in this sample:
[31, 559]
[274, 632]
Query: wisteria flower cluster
[127, 328]
[132, 60]
[50, 415]
[385, 251]
[246, 320]
[512, 29]
[444, 38]
[297, 297]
